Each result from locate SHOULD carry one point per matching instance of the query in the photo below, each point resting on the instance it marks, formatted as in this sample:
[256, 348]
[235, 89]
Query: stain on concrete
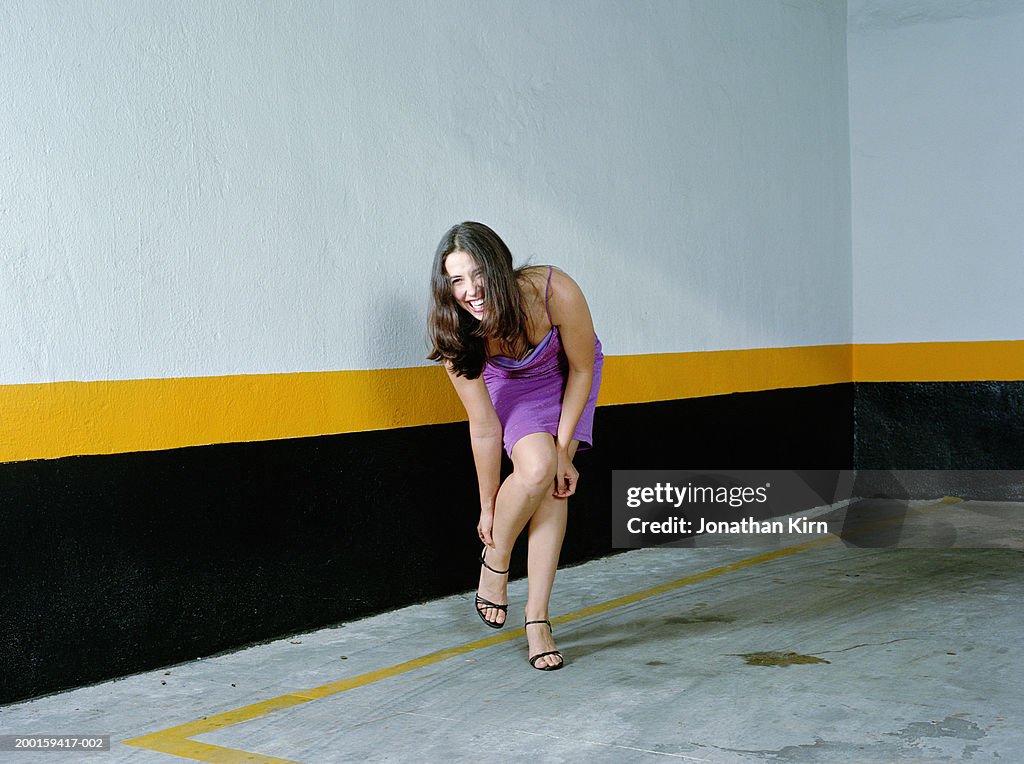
[951, 726]
[699, 618]
[908, 744]
[772, 658]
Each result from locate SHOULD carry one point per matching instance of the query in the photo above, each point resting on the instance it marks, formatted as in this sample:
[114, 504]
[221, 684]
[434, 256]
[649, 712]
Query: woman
[520, 349]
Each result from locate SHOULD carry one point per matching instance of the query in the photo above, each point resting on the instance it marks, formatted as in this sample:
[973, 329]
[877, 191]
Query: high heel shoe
[538, 656]
[480, 601]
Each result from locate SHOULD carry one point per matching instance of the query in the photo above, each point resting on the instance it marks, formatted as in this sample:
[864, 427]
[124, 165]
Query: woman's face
[467, 283]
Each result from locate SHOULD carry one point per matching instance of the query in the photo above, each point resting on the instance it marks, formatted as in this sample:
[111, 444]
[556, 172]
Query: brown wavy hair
[455, 336]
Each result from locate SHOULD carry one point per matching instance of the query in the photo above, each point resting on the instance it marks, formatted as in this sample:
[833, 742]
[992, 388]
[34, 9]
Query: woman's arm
[485, 437]
[571, 314]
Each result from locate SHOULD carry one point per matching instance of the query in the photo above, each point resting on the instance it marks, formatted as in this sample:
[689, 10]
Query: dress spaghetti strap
[547, 290]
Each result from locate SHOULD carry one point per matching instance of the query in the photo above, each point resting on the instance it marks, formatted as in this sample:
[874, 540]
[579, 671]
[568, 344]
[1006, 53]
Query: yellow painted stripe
[49, 420]
[41, 421]
[175, 740]
[939, 362]
[671, 376]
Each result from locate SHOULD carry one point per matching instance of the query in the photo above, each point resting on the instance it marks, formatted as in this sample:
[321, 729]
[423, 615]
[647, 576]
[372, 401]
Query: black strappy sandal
[487, 603]
[538, 656]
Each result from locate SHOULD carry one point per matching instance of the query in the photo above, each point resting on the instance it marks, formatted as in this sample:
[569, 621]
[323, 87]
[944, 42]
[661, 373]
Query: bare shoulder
[565, 299]
[533, 280]
[550, 285]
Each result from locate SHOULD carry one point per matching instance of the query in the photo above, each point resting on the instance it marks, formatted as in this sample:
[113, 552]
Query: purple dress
[527, 393]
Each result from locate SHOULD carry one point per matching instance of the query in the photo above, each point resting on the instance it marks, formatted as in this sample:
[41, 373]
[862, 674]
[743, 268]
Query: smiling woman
[467, 283]
[520, 350]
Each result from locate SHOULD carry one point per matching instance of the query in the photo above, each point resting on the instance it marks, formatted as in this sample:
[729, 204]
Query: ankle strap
[529, 622]
[493, 570]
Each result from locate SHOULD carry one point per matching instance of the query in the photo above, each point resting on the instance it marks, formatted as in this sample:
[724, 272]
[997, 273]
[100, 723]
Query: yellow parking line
[176, 740]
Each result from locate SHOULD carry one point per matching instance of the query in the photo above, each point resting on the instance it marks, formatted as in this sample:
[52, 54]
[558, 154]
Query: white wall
[195, 188]
[937, 144]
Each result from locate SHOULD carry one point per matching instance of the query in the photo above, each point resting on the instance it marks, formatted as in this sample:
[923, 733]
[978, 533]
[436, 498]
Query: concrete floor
[904, 654]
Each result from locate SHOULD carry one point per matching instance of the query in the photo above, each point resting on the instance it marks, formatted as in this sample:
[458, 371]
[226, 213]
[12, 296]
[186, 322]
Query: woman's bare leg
[532, 481]
[547, 529]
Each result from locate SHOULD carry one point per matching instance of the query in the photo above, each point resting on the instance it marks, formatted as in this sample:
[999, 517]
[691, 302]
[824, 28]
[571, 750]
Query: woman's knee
[534, 461]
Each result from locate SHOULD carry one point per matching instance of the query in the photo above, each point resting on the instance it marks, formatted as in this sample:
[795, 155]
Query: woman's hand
[566, 476]
[483, 528]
